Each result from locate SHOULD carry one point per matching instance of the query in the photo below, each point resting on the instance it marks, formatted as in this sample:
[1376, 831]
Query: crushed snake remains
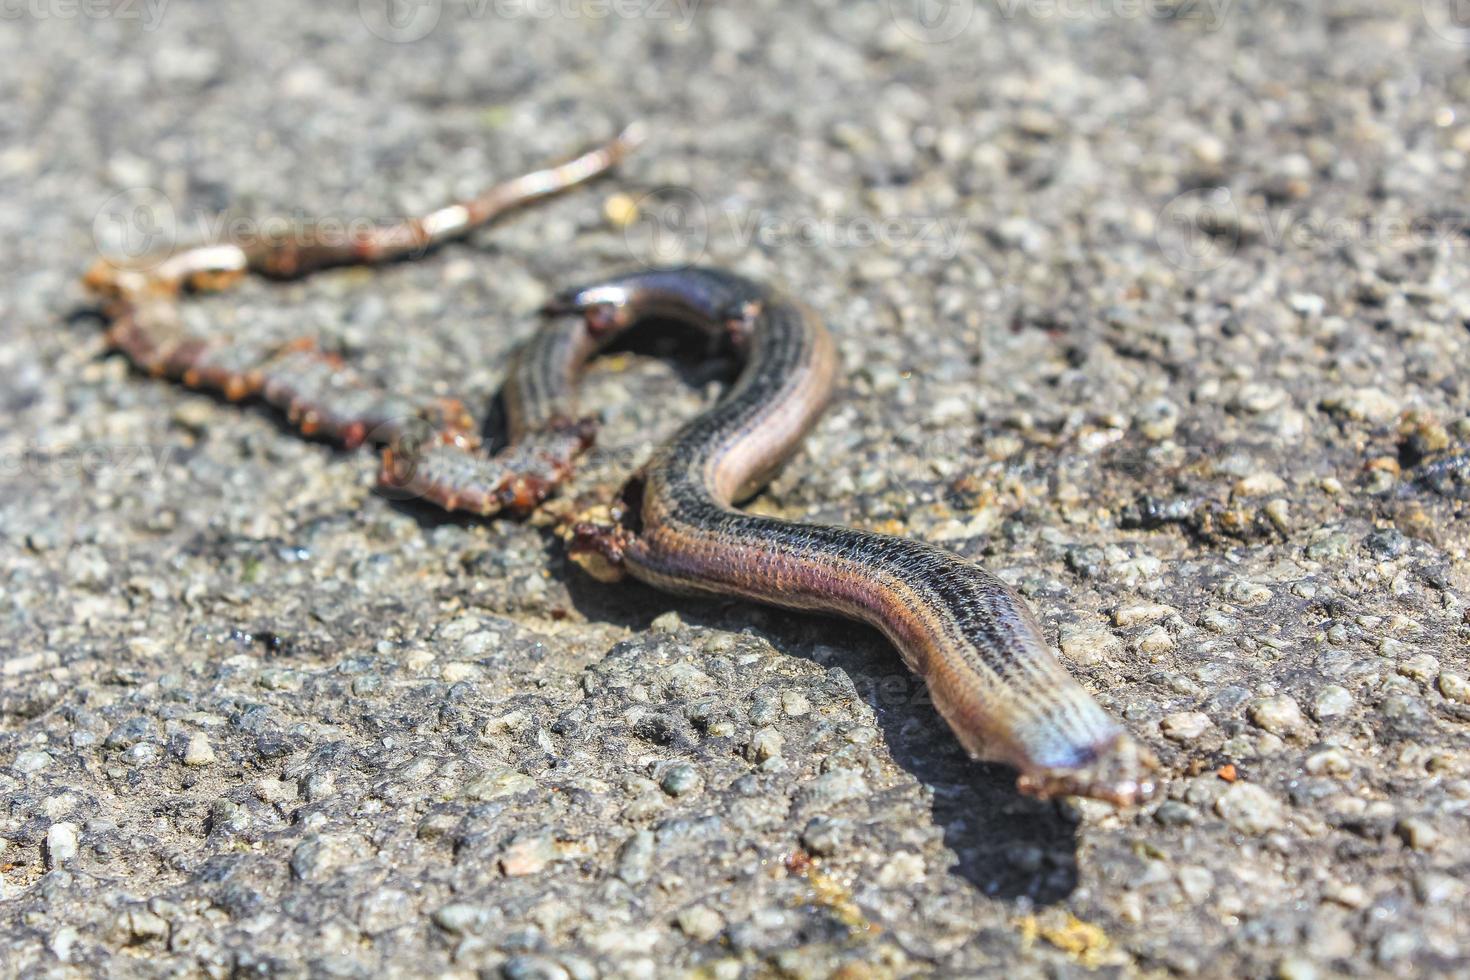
[675, 524]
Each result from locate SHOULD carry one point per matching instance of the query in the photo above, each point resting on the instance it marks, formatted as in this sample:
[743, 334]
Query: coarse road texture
[1158, 310]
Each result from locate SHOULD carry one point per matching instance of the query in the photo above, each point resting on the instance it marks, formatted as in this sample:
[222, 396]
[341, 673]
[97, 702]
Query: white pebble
[61, 844]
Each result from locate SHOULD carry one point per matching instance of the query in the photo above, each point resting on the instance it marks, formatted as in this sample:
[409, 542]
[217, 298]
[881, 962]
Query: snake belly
[979, 648]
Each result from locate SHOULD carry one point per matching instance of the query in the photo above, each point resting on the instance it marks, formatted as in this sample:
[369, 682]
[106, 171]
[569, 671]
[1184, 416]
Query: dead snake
[675, 525]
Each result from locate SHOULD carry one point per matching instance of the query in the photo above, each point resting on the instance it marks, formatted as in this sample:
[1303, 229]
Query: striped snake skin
[979, 648]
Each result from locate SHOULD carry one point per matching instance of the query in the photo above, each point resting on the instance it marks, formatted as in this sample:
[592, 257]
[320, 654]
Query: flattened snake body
[675, 525]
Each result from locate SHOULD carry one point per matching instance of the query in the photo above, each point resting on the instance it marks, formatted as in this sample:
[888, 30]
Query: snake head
[1119, 771]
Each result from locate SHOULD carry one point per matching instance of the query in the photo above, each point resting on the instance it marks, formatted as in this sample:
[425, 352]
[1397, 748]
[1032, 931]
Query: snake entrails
[675, 526]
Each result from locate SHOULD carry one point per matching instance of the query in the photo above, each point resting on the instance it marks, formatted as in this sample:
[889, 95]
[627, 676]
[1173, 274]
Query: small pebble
[1157, 420]
[312, 857]
[140, 925]
[1421, 667]
[1278, 512]
[680, 779]
[457, 671]
[198, 751]
[1145, 612]
[1296, 968]
[30, 761]
[479, 644]
[635, 860]
[1455, 687]
[1172, 813]
[764, 744]
[1244, 592]
[1405, 710]
[525, 966]
[1329, 547]
[1329, 762]
[1331, 702]
[315, 787]
[1362, 404]
[1088, 646]
[825, 836]
[61, 844]
[527, 855]
[1307, 305]
[1349, 895]
[130, 733]
[669, 622]
[1258, 485]
[63, 941]
[1258, 398]
[1250, 809]
[1185, 726]
[1279, 715]
[620, 210]
[835, 787]
[1437, 889]
[437, 826]
[1418, 833]
[1155, 639]
[700, 923]
[1395, 947]
[1196, 883]
[496, 783]
[903, 868]
[141, 754]
[1386, 544]
[460, 917]
[795, 704]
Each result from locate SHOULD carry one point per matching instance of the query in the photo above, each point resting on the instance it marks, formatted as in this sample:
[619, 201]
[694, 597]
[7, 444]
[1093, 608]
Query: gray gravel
[1158, 310]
